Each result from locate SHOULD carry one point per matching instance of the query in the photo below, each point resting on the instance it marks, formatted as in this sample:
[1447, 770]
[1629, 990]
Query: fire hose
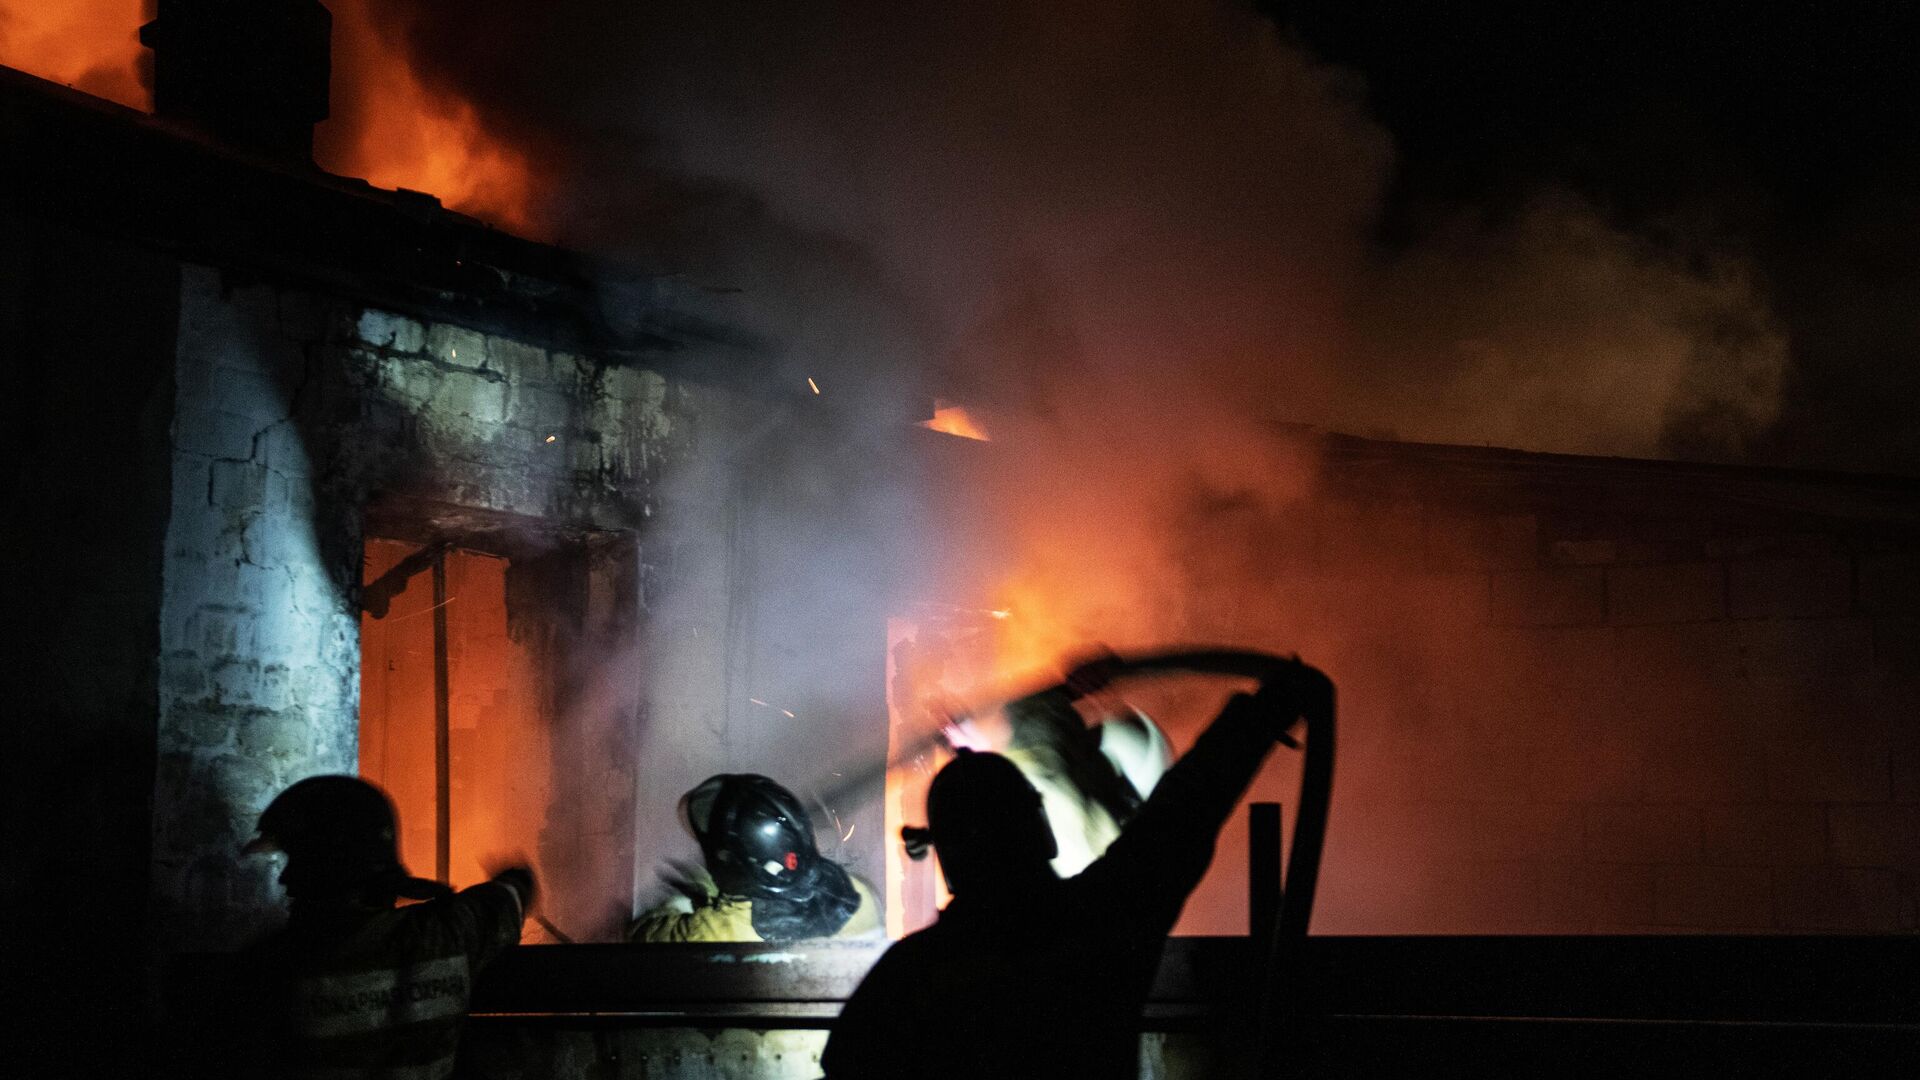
[1279, 962]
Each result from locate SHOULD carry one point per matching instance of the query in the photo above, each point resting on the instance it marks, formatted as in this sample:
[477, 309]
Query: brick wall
[1681, 710]
[293, 414]
[300, 419]
[258, 664]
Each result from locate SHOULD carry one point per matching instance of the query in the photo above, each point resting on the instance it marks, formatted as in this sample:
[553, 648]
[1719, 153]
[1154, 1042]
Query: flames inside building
[313, 476]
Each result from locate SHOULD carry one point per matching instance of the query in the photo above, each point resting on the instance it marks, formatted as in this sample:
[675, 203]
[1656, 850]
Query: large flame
[393, 129]
[90, 45]
[389, 125]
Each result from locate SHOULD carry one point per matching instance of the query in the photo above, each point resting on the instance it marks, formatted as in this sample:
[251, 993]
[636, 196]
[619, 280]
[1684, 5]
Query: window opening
[453, 721]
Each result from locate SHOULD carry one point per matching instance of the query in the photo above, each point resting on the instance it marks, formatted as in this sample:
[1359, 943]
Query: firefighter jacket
[1050, 981]
[346, 992]
[1084, 823]
[716, 917]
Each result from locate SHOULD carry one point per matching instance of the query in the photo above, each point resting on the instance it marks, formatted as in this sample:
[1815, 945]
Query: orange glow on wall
[90, 45]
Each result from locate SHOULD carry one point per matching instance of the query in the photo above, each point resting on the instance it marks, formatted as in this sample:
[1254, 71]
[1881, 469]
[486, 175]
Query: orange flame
[954, 420]
[90, 45]
[389, 126]
[395, 131]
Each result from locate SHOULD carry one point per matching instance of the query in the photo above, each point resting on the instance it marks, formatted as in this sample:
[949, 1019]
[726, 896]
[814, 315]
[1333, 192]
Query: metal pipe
[1309, 830]
[442, 772]
[1281, 982]
[1263, 869]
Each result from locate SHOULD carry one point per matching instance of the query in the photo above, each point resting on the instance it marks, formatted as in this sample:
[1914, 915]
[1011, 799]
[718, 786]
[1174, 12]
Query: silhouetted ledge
[1779, 980]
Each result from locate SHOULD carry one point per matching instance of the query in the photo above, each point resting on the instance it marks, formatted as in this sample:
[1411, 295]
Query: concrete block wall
[488, 422]
[259, 664]
[1676, 719]
[293, 412]
[298, 415]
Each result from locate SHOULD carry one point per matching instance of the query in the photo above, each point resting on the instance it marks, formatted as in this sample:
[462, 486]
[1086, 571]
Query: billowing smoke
[1137, 240]
[1552, 331]
[1161, 209]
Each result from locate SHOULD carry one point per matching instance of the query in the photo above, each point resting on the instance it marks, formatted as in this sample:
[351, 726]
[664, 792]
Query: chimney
[251, 73]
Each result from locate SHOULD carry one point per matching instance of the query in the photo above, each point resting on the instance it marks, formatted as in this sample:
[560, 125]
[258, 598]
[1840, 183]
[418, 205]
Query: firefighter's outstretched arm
[1164, 851]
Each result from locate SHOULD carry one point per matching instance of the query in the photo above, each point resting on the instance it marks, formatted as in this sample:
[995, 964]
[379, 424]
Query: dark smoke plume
[1172, 187]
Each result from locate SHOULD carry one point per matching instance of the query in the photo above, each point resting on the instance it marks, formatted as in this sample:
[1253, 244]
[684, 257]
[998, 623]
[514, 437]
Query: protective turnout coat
[377, 993]
[730, 918]
[1083, 824]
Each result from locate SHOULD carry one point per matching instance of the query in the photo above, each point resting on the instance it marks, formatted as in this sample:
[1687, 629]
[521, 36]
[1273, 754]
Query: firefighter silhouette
[1027, 974]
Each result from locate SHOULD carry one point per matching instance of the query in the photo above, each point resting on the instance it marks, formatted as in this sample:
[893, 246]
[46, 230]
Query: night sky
[1784, 133]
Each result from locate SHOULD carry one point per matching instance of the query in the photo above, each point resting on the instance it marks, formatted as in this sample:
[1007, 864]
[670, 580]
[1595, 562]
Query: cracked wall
[725, 549]
[294, 414]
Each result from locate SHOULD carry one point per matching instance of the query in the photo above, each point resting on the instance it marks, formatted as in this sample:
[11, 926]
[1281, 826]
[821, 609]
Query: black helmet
[756, 836]
[983, 814]
[338, 835]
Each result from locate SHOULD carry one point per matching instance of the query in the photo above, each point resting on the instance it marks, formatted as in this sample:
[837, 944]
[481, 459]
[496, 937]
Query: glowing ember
[91, 45]
[953, 420]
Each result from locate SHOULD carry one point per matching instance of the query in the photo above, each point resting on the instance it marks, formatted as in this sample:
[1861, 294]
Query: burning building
[311, 476]
[367, 486]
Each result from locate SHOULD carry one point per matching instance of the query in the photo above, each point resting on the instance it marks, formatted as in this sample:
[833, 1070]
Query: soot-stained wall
[304, 423]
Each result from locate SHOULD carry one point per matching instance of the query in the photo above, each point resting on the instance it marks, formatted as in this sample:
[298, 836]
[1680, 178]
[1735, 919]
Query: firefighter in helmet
[1025, 973]
[764, 878]
[353, 984]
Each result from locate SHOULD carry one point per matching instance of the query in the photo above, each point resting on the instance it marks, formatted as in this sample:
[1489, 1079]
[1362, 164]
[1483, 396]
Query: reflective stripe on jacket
[356, 993]
[730, 918]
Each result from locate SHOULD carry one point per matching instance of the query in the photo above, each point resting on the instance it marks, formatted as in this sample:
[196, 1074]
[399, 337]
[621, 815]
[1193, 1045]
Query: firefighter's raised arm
[1161, 855]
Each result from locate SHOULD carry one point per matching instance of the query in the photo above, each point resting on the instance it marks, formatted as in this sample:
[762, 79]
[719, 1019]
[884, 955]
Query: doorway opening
[452, 719]
[499, 700]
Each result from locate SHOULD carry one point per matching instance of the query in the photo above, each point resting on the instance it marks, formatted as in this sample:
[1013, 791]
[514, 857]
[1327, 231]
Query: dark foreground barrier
[1370, 1007]
[1724, 1007]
